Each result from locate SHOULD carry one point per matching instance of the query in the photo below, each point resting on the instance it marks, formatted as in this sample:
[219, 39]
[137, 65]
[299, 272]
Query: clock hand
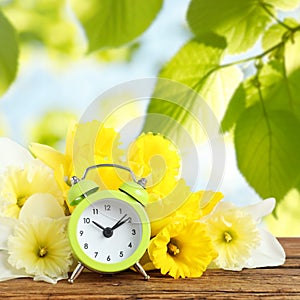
[107, 232]
[98, 225]
[120, 222]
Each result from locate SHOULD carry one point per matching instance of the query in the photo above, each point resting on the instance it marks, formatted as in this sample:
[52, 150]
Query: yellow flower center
[21, 200]
[43, 251]
[227, 237]
[173, 249]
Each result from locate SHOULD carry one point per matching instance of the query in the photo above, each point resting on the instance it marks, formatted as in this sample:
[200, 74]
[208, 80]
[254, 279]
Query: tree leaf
[275, 33]
[44, 22]
[113, 23]
[279, 85]
[234, 19]
[197, 66]
[291, 55]
[284, 4]
[9, 52]
[267, 146]
[195, 60]
[235, 108]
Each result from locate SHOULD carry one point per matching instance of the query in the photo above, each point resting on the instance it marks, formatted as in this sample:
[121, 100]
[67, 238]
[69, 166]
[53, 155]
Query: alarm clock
[109, 230]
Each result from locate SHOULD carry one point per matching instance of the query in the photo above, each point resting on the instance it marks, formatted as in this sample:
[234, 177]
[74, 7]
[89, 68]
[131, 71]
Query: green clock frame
[113, 267]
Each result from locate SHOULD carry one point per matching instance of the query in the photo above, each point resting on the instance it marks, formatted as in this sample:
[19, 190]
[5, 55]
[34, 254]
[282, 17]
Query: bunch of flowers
[203, 232]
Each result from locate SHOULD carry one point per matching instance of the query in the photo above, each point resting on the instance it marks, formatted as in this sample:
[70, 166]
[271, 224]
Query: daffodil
[156, 158]
[182, 249]
[36, 245]
[239, 241]
[86, 144]
[181, 203]
[17, 184]
[40, 246]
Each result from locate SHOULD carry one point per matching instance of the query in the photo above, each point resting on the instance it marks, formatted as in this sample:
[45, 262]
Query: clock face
[109, 231]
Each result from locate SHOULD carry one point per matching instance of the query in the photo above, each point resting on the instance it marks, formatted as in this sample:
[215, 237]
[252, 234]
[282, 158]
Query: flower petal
[12, 153]
[269, 254]
[6, 228]
[49, 279]
[41, 205]
[7, 271]
[47, 155]
[260, 209]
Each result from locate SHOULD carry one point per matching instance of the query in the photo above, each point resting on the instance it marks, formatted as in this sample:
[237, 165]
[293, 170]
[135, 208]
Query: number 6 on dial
[109, 231]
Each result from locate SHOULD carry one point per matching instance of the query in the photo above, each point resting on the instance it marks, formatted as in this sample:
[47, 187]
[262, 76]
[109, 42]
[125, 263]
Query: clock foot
[140, 269]
[79, 268]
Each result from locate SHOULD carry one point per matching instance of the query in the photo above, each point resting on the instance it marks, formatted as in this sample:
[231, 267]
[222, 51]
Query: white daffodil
[35, 245]
[22, 177]
[238, 239]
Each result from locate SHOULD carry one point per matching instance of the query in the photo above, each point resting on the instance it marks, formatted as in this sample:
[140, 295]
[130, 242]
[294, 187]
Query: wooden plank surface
[268, 283]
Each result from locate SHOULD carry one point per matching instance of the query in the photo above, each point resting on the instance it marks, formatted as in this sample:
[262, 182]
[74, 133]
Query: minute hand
[120, 222]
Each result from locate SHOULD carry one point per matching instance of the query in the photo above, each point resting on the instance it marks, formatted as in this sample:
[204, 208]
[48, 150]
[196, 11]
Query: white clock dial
[109, 230]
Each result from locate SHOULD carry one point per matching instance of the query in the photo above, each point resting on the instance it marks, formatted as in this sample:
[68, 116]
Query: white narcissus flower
[40, 246]
[17, 184]
[238, 239]
[36, 245]
[22, 177]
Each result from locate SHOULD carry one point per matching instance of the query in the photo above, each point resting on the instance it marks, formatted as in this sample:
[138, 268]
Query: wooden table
[268, 283]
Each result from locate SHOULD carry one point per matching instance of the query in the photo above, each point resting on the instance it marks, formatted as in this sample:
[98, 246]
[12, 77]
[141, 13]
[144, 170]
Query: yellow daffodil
[86, 144]
[234, 235]
[40, 247]
[182, 249]
[17, 184]
[156, 158]
[182, 203]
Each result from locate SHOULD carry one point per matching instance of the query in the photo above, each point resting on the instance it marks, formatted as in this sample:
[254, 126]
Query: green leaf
[234, 19]
[113, 23]
[280, 82]
[276, 32]
[279, 86]
[291, 55]
[8, 53]
[284, 4]
[267, 148]
[195, 60]
[235, 107]
[197, 66]
[44, 22]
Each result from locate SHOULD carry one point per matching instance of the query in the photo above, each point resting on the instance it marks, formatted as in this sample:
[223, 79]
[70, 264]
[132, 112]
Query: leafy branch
[267, 8]
[264, 108]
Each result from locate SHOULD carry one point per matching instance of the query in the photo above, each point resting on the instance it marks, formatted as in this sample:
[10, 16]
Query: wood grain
[268, 283]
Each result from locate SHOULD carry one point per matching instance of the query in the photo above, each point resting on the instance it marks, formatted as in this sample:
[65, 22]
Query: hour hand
[98, 225]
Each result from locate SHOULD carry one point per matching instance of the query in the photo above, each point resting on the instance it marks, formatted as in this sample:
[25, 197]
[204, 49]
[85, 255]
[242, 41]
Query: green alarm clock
[109, 231]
